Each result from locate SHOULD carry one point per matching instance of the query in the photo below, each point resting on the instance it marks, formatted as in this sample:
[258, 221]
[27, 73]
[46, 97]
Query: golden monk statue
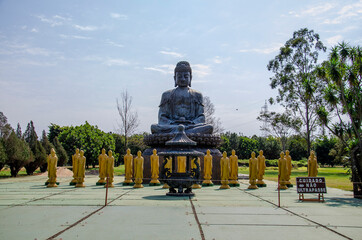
[253, 171]
[109, 169]
[81, 170]
[74, 166]
[283, 171]
[207, 169]
[234, 167]
[225, 170]
[181, 164]
[102, 159]
[138, 170]
[288, 158]
[261, 169]
[155, 168]
[169, 166]
[52, 161]
[312, 165]
[128, 167]
[193, 166]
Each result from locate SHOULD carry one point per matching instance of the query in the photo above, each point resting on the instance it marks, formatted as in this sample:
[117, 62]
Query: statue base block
[46, 183]
[154, 184]
[190, 194]
[138, 185]
[101, 183]
[253, 187]
[234, 184]
[261, 185]
[72, 183]
[207, 184]
[289, 185]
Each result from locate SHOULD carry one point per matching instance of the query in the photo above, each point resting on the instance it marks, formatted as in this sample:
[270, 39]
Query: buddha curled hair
[183, 66]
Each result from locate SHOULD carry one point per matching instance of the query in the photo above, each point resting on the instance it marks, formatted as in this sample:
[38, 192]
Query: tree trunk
[356, 162]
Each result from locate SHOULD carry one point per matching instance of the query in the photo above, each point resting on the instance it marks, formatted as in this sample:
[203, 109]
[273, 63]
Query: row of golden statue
[134, 169]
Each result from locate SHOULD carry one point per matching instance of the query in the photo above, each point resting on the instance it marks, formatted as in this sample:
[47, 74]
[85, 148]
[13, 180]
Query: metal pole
[105, 204]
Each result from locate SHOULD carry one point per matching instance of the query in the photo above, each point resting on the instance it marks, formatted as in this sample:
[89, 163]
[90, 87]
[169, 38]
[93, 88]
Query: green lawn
[337, 177]
[5, 172]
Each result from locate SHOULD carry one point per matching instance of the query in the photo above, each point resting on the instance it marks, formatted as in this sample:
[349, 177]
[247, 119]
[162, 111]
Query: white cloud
[334, 40]
[51, 21]
[118, 16]
[263, 50]
[201, 70]
[164, 69]
[34, 30]
[85, 28]
[74, 37]
[114, 44]
[173, 54]
[217, 60]
[116, 62]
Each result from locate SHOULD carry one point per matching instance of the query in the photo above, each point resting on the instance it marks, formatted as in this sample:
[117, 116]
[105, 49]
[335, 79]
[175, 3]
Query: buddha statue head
[183, 74]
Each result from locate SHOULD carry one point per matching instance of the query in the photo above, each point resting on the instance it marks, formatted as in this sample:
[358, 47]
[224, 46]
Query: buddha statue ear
[174, 78]
[190, 79]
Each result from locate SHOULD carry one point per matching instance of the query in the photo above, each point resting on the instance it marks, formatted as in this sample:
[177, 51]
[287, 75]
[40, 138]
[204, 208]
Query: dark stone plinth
[202, 140]
[289, 185]
[234, 184]
[128, 184]
[191, 194]
[154, 184]
[72, 183]
[101, 183]
[261, 185]
[216, 156]
[207, 184]
[46, 183]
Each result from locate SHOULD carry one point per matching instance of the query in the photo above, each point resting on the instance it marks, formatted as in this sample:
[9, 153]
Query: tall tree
[5, 128]
[295, 79]
[280, 125]
[341, 111]
[18, 131]
[18, 153]
[129, 118]
[3, 156]
[61, 153]
[209, 111]
[36, 147]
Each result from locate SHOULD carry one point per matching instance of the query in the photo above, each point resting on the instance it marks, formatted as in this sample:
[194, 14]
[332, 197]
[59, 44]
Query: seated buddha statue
[182, 105]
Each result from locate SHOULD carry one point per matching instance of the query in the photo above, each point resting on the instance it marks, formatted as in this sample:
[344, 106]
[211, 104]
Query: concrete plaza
[29, 210]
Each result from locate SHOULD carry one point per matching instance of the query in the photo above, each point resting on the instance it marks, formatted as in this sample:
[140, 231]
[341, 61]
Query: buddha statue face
[282, 155]
[154, 151]
[261, 152]
[287, 153]
[183, 74]
[208, 152]
[253, 155]
[110, 153]
[139, 153]
[233, 152]
[103, 151]
[82, 153]
[52, 151]
[224, 154]
[128, 151]
[77, 150]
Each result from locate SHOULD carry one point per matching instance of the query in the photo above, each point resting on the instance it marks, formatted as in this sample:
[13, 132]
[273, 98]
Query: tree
[3, 156]
[60, 151]
[280, 125]
[297, 146]
[88, 138]
[19, 134]
[295, 77]
[129, 118]
[5, 128]
[47, 145]
[246, 147]
[270, 146]
[209, 110]
[36, 147]
[18, 153]
[323, 147]
[341, 110]
[54, 131]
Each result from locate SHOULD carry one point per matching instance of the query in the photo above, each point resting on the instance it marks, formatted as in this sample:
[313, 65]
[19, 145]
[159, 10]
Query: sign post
[311, 185]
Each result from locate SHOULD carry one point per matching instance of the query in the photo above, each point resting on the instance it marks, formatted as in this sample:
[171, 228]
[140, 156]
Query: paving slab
[30, 210]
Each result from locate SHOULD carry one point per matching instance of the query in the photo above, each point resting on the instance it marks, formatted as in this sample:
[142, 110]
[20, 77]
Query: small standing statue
[234, 170]
[81, 170]
[109, 169]
[74, 166]
[102, 160]
[312, 165]
[169, 166]
[193, 166]
[155, 169]
[261, 169]
[253, 171]
[289, 166]
[181, 164]
[138, 170]
[52, 161]
[207, 169]
[225, 169]
[283, 171]
[128, 168]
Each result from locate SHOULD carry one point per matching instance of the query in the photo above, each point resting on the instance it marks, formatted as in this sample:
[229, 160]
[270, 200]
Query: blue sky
[66, 62]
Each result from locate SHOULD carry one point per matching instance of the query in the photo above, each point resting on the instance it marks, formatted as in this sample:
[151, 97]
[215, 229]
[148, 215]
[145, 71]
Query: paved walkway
[29, 210]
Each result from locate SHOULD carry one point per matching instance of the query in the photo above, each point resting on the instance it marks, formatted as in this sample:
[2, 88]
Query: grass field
[336, 177]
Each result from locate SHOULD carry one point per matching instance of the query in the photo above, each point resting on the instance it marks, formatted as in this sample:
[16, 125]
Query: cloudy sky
[66, 62]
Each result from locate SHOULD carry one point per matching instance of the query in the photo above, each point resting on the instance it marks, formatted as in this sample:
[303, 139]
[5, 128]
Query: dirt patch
[61, 172]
